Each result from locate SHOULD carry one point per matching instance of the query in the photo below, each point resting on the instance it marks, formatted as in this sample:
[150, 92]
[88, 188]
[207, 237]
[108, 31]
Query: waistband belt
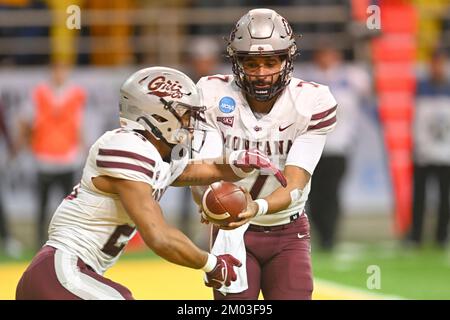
[254, 227]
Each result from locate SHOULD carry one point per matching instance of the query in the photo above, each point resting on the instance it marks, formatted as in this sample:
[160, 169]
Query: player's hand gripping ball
[222, 202]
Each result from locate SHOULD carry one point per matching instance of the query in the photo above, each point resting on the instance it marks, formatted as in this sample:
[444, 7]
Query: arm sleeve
[306, 151]
[308, 146]
[127, 157]
[323, 119]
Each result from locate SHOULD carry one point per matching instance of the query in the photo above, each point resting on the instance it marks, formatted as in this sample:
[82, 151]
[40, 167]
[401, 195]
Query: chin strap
[156, 132]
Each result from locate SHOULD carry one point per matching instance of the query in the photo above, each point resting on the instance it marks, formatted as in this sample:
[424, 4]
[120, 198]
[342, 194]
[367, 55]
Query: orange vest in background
[57, 124]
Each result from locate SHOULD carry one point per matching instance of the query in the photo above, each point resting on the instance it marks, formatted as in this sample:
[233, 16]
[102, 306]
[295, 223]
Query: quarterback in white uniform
[126, 173]
[261, 106]
[303, 114]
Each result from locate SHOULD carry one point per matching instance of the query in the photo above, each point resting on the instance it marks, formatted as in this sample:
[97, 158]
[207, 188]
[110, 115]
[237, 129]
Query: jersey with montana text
[302, 111]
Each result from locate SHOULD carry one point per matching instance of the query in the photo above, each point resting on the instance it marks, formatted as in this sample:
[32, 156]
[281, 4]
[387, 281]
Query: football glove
[223, 273]
[256, 159]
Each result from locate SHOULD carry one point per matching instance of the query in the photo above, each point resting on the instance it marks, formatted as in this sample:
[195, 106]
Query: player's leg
[335, 170]
[95, 286]
[67, 183]
[54, 274]
[324, 202]
[317, 206]
[43, 185]
[419, 196]
[39, 281]
[443, 175]
[288, 275]
[4, 234]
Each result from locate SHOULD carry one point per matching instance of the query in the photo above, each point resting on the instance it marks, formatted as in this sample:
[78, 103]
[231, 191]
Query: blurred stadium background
[118, 37]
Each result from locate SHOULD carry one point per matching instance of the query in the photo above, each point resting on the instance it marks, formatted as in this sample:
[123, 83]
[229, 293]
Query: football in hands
[222, 202]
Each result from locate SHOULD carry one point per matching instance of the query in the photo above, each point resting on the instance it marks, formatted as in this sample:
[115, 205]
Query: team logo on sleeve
[227, 104]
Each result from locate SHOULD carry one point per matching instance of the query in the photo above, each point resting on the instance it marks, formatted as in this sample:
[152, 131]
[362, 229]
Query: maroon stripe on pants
[124, 292]
[39, 281]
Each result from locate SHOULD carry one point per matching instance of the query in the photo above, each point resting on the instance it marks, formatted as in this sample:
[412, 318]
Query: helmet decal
[162, 87]
[162, 101]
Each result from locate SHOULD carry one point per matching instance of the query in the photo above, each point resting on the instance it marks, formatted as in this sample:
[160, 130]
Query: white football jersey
[94, 225]
[303, 112]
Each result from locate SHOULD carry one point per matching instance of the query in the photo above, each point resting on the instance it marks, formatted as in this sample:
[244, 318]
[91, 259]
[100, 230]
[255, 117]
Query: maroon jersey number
[112, 247]
[258, 185]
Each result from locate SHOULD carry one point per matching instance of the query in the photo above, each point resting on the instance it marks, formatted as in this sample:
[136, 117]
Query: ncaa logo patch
[227, 104]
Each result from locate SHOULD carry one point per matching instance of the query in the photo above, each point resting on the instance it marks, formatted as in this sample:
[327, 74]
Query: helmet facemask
[275, 81]
[188, 117]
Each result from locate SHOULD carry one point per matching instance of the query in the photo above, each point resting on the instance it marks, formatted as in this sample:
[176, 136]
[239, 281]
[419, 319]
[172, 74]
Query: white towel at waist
[232, 242]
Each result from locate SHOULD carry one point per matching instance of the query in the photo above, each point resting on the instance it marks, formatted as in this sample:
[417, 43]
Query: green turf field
[406, 273]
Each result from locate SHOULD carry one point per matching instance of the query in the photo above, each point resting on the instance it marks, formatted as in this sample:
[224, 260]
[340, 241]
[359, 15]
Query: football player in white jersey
[126, 173]
[262, 106]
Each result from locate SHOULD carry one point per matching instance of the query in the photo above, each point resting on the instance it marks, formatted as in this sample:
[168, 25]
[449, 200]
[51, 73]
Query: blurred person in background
[204, 57]
[9, 245]
[51, 125]
[432, 147]
[350, 85]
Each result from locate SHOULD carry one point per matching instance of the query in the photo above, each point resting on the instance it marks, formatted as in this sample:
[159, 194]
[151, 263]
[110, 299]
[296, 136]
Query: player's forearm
[198, 175]
[282, 198]
[279, 200]
[197, 194]
[166, 241]
[205, 173]
[173, 246]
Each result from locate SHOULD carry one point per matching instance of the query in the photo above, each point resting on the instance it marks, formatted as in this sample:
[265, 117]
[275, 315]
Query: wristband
[210, 263]
[263, 207]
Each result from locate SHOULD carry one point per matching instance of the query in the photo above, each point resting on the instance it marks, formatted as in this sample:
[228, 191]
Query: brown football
[222, 202]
